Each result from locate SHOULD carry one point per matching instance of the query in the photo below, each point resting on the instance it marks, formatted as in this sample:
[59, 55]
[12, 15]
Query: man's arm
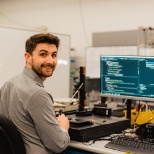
[52, 130]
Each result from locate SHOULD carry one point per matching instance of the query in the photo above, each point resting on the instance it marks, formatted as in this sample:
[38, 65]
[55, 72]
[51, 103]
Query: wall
[78, 18]
[12, 62]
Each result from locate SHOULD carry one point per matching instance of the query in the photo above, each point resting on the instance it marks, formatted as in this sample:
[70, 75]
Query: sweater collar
[29, 72]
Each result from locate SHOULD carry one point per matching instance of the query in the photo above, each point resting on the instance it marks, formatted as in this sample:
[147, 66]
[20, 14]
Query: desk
[111, 123]
[97, 147]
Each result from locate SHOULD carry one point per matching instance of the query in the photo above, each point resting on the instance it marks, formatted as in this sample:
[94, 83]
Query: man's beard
[39, 72]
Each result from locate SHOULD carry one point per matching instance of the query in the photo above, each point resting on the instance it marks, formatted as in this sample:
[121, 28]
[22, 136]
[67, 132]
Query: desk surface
[97, 147]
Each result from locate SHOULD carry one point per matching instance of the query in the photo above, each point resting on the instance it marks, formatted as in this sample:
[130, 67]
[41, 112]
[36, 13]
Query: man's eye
[43, 54]
[54, 55]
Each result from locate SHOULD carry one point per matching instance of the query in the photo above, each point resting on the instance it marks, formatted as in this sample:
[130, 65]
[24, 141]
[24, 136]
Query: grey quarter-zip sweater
[24, 100]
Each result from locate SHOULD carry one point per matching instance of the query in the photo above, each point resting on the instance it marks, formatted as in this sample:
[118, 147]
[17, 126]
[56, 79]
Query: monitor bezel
[110, 95]
[149, 99]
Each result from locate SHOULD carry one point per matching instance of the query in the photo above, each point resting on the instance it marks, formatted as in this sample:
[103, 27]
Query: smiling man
[24, 100]
[43, 60]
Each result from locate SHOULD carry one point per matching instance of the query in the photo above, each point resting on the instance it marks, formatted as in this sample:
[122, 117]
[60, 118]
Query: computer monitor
[130, 77]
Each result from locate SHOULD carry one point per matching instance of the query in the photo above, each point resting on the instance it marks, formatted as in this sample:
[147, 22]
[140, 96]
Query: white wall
[78, 18]
[12, 60]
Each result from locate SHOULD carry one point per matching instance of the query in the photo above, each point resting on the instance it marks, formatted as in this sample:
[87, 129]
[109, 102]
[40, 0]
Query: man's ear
[28, 58]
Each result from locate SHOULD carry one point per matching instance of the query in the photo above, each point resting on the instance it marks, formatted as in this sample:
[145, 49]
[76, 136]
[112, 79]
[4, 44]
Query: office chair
[10, 139]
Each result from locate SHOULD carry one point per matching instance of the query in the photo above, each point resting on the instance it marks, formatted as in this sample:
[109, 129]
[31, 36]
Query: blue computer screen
[127, 76]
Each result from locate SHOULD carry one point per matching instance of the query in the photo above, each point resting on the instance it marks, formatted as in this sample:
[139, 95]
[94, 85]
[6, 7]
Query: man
[24, 100]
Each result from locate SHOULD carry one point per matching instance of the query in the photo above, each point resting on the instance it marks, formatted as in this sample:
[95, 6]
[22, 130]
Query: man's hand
[63, 122]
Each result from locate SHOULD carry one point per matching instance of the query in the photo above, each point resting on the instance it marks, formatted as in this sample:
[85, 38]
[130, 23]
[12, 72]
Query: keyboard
[127, 144]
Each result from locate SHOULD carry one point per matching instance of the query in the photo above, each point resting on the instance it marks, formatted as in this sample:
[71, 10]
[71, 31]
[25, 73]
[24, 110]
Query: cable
[99, 139]
[20, 24]
[137, 115]
[83, 23]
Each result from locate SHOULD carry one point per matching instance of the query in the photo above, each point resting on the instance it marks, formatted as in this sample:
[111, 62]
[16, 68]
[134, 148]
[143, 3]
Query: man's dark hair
[34, 40]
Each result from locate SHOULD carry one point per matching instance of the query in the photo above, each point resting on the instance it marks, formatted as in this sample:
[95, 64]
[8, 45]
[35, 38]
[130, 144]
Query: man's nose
[50, 59]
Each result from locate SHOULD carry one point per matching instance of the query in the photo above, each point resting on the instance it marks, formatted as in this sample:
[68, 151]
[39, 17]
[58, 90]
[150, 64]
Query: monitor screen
[130, 77]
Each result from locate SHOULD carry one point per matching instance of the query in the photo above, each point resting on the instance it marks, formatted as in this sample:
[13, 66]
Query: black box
[102, 111]
[100, 128]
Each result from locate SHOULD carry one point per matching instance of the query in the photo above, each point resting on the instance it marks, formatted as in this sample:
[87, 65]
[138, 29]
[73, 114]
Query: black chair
[10, 138]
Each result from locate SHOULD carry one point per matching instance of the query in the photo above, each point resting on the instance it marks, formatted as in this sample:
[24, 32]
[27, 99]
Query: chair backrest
[10, 138]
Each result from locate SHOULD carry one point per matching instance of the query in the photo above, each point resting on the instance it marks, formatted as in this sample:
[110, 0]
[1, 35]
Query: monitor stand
[129, 102]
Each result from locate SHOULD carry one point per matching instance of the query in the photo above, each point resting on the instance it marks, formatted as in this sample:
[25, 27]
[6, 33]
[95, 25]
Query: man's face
[43, 60]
